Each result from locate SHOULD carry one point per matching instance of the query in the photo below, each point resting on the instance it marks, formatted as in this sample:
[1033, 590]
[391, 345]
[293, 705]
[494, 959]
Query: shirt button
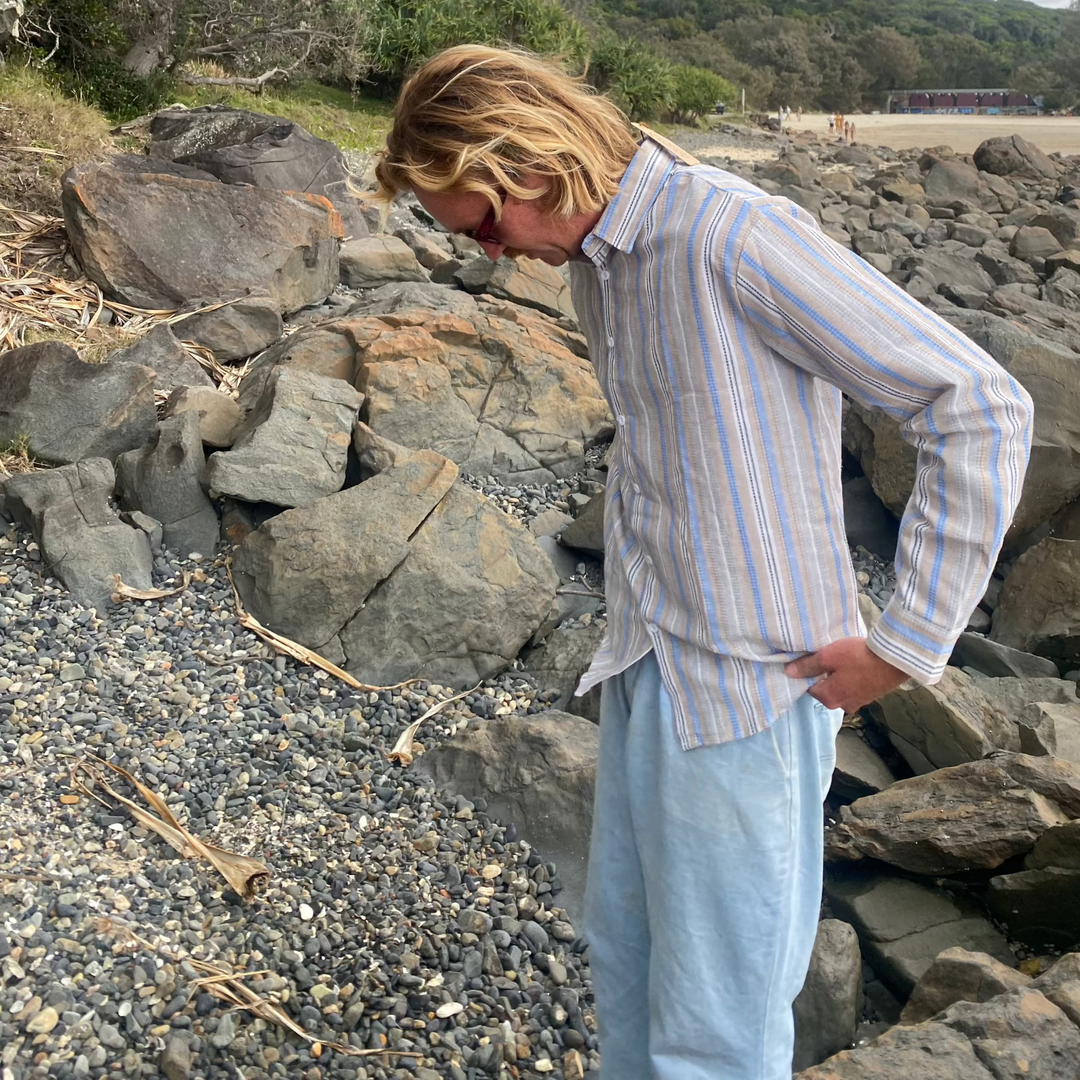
[604, 275]
[637, 489]
[611, 341]
[622, 421]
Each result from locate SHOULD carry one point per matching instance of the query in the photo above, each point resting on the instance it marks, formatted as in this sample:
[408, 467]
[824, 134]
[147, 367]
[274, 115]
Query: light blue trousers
[704, 887]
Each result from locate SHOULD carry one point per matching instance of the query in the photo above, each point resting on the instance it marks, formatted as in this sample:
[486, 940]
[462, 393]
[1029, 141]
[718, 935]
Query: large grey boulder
[950, 180]
[959, 975]
[538, 772]
[1063, 222]
[1011, 155]
[293, 447]
[929, 1051]
[506, 392]
[373, 260]
[996, 660]
[947, 268]
[974, 816]
[903, 925]
[1059, 846]
[1040, 908]
[219, 415]
[560, 661]
[241, 147]
[1018, 1034]
[70, 409]
[163, 479]
[473, 590]
[1039, 609]
[431, 249]
[1013, 695]
[1061, 984]
[1052, 728]
[234, 330]
[82, 540]
[161, 351]
[157, 235]
[587, 532]
[527, 282]
[1063, 288]
[948, 723]
[305, 573]
[1047, 370]
[400, 296]
[29, 495]
[859, 768]
[828, 1006]
[1033, 242]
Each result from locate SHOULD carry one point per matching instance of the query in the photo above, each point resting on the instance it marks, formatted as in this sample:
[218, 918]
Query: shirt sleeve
[827, 311]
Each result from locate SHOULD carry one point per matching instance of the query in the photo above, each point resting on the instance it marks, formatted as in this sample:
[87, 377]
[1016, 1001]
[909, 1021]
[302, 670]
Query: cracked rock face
[306, 572]
[294, 446]
[504, 392]
[122, 220]
[472, 591]
[403, 575]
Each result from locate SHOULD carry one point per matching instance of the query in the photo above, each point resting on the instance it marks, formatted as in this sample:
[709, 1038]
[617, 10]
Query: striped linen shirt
[723, 326]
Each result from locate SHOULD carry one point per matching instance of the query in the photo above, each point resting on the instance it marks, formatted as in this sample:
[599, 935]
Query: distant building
[970, 102]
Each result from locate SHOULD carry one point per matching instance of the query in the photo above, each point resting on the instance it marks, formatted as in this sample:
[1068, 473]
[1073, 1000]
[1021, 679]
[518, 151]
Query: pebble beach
[367, 933]
[403, 934]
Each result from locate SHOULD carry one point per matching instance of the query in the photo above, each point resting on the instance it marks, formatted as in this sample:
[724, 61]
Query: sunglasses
[484, 232]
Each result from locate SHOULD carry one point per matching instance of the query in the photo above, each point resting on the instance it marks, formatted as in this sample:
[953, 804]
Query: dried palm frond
[127, 592]
[403, 748]
[297, 651]
[245, 875]
[229, 987]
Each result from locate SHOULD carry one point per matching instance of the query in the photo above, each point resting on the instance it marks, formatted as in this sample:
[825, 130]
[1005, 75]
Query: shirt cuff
[912, 644]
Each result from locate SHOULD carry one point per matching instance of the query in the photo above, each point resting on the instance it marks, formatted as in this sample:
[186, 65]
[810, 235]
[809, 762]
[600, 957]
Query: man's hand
[854, 676]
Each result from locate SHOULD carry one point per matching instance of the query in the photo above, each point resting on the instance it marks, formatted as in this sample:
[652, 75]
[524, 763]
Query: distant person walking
[852, 131]
[832, 123]
[847, 131]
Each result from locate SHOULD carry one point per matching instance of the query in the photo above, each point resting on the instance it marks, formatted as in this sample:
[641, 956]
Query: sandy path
[962, 133]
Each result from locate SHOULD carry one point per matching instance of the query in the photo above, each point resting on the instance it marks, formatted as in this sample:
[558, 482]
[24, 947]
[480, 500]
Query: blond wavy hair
[479, 119]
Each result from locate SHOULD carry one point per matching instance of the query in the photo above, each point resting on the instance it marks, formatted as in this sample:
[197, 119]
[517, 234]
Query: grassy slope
[354, 123]
[35, 116]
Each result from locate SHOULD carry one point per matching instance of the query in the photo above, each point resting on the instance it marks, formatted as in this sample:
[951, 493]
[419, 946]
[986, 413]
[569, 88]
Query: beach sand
[963, 133]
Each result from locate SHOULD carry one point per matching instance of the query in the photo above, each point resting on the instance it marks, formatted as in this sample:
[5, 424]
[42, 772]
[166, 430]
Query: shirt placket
[620, 394]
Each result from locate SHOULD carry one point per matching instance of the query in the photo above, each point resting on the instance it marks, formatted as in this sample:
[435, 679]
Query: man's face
[525, 228]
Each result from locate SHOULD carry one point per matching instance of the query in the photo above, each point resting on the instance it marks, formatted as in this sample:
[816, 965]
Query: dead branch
[256, 84]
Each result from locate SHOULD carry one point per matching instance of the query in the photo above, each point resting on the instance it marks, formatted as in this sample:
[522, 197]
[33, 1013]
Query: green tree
[890, 60]
[696, 92]
[639, 81]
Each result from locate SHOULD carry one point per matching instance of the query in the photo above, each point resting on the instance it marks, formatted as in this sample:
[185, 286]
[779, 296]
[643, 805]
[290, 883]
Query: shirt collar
[639, 188]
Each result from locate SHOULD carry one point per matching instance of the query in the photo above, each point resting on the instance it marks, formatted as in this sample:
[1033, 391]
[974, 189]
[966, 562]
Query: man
[723, 326]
